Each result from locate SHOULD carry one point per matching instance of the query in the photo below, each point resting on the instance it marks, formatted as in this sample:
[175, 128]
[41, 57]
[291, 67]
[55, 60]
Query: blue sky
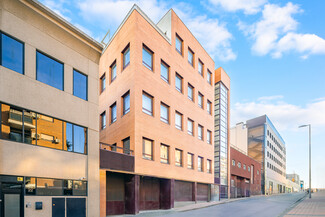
[274, 52]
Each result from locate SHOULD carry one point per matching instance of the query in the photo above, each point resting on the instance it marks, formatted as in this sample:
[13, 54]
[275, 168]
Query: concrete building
[221, 132]
[266, 146]
[238, 137]
[156, 116]
[293, 182]
[48, 104]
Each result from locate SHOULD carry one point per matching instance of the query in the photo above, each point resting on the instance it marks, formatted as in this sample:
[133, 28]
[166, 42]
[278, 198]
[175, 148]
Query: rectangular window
[179, 45]
[233, 162]
[209, 166]
[113, 112]
[103, 120]
[190, 161]
[126, 56]
[209, 77]
[164, 71]
[200, 67]
[209, 136]
[164, 153]
[209, 107]
[200, 132]
[164, 113]
[190, 124]
[178, 157]
[147, 57]
[49, 71]
[12, 53]
[178, 120]
[126, 145]
[200, 100]
[126, 103]
[147, 149]
[200, 164]
[179, 83]
[49, 187]
[103, 83]
[147, 104]
[79, 139]
[190, 92]
[80, 85]
[112, 70]
[190, 56]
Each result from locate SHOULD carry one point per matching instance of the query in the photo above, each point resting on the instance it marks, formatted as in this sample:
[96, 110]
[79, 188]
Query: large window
[209, 168]
[147, 57]
[209, 107]
[164, 71]
[200, 67]
[126, 103]
[178, 120]
[179, 45]
[190, 127]
[164, 113]
[126, 56]
[103, 120]
[21, 125]
[178, 157]
[164, 153]
[200, 100]
[200, 132]
[190, 161]
[103, 83]
[147, 104]
[179, 83]
[147, 149]
[49, 71]
[209, 136]
[12, 53]
[126, 145]
[209, 77]
[200, 164]
[112, 70]
[113, 112]
[190, 57]
[190, 92]
[80, 85]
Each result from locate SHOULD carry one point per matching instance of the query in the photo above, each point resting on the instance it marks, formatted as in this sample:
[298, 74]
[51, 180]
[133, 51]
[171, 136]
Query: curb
[292, 206]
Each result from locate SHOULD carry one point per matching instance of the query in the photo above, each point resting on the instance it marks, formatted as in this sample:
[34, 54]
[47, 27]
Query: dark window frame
[202, 100]
[182, 44]
[113, 65]
[101, 83]
[182, 83]
[143, 149]
[181, 158]
[112, 119]
[202, 64]
[102, 127]
[209, 75]
[167, 80]
[182, 124]
[189, 132]
[168, 113]
[144, 110]
[124, 51]
[125, 111]
[168, 154]
[193, 56]
[149, 51]
[77, 71]
[193, 89]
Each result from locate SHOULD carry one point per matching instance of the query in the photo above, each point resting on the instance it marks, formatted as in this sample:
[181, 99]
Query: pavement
[309, 207]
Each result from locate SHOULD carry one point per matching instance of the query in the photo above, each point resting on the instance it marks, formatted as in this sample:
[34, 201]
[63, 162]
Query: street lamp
[309, 125]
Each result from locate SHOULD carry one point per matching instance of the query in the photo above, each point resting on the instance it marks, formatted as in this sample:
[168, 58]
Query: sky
[273, 51]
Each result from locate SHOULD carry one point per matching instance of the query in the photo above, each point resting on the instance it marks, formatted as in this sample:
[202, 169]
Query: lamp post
[309, 125]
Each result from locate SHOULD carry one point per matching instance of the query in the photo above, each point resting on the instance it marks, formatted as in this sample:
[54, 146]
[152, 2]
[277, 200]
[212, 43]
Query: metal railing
[116, 148]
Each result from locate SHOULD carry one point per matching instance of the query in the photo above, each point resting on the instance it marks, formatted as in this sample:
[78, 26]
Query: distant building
[294, 178]
[266, 146]
[238, 137]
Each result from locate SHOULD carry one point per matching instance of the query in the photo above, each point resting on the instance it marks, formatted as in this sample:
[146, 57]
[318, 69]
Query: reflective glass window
[113, 71]
[113, 113]
[179, 83]
[12, 53]
[178, 120]
[164, 71]
[126, 103]
[164, 113]
[79, 139]
[164, 153]
[80, 85]
[190, 57]
[147, 104]
[178, 157]
[147, 58]
[189, 160]
[126, 57]
[147, 149]
[179, 45]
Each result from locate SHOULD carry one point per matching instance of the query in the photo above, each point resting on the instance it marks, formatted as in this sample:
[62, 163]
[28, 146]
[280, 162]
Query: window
[200, 164]
[200, 67]
[178, 120]
[179, 83]
[49, 187]
[12, 53]
[147, 57]
[113, 71]
[209, 136]
[190, 92]
[200, 100]
[244, 166]
[103, 120]
[147, 149]
[103, 83]
[49, 71]
[147, 104]
[164, 71]
[164, 113]
[209, 168]
[258, 172]
[209, 107]
[113, 113]
[126, 56]
[126, 145]
[179, 45]
[200, 132]
[209, 77]
[233, 162]
[80, 85]
[190, 124]
[239, 165]
[178, 157]
[79, 139]
[164, 153]
[189, 160]
[248, 168]
[126, 103]
[190, 56]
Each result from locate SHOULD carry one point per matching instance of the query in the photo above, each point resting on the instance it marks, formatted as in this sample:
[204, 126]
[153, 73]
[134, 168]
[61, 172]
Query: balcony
[116, 158]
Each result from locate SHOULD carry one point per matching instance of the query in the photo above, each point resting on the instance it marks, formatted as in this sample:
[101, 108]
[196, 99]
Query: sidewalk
[309, 207]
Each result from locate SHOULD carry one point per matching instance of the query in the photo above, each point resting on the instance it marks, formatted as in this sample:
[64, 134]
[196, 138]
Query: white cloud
[248, 6]
[269, 98]
[275, 33]
[284, 115]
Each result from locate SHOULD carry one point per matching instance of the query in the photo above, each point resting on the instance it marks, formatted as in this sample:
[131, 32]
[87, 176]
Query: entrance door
[58, 207]
[11, 200]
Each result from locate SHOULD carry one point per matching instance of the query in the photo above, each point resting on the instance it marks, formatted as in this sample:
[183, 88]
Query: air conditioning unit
[35, 136]
[56, 141]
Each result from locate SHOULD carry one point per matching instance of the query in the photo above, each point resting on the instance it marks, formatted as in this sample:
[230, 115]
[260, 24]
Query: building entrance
[11, 200]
